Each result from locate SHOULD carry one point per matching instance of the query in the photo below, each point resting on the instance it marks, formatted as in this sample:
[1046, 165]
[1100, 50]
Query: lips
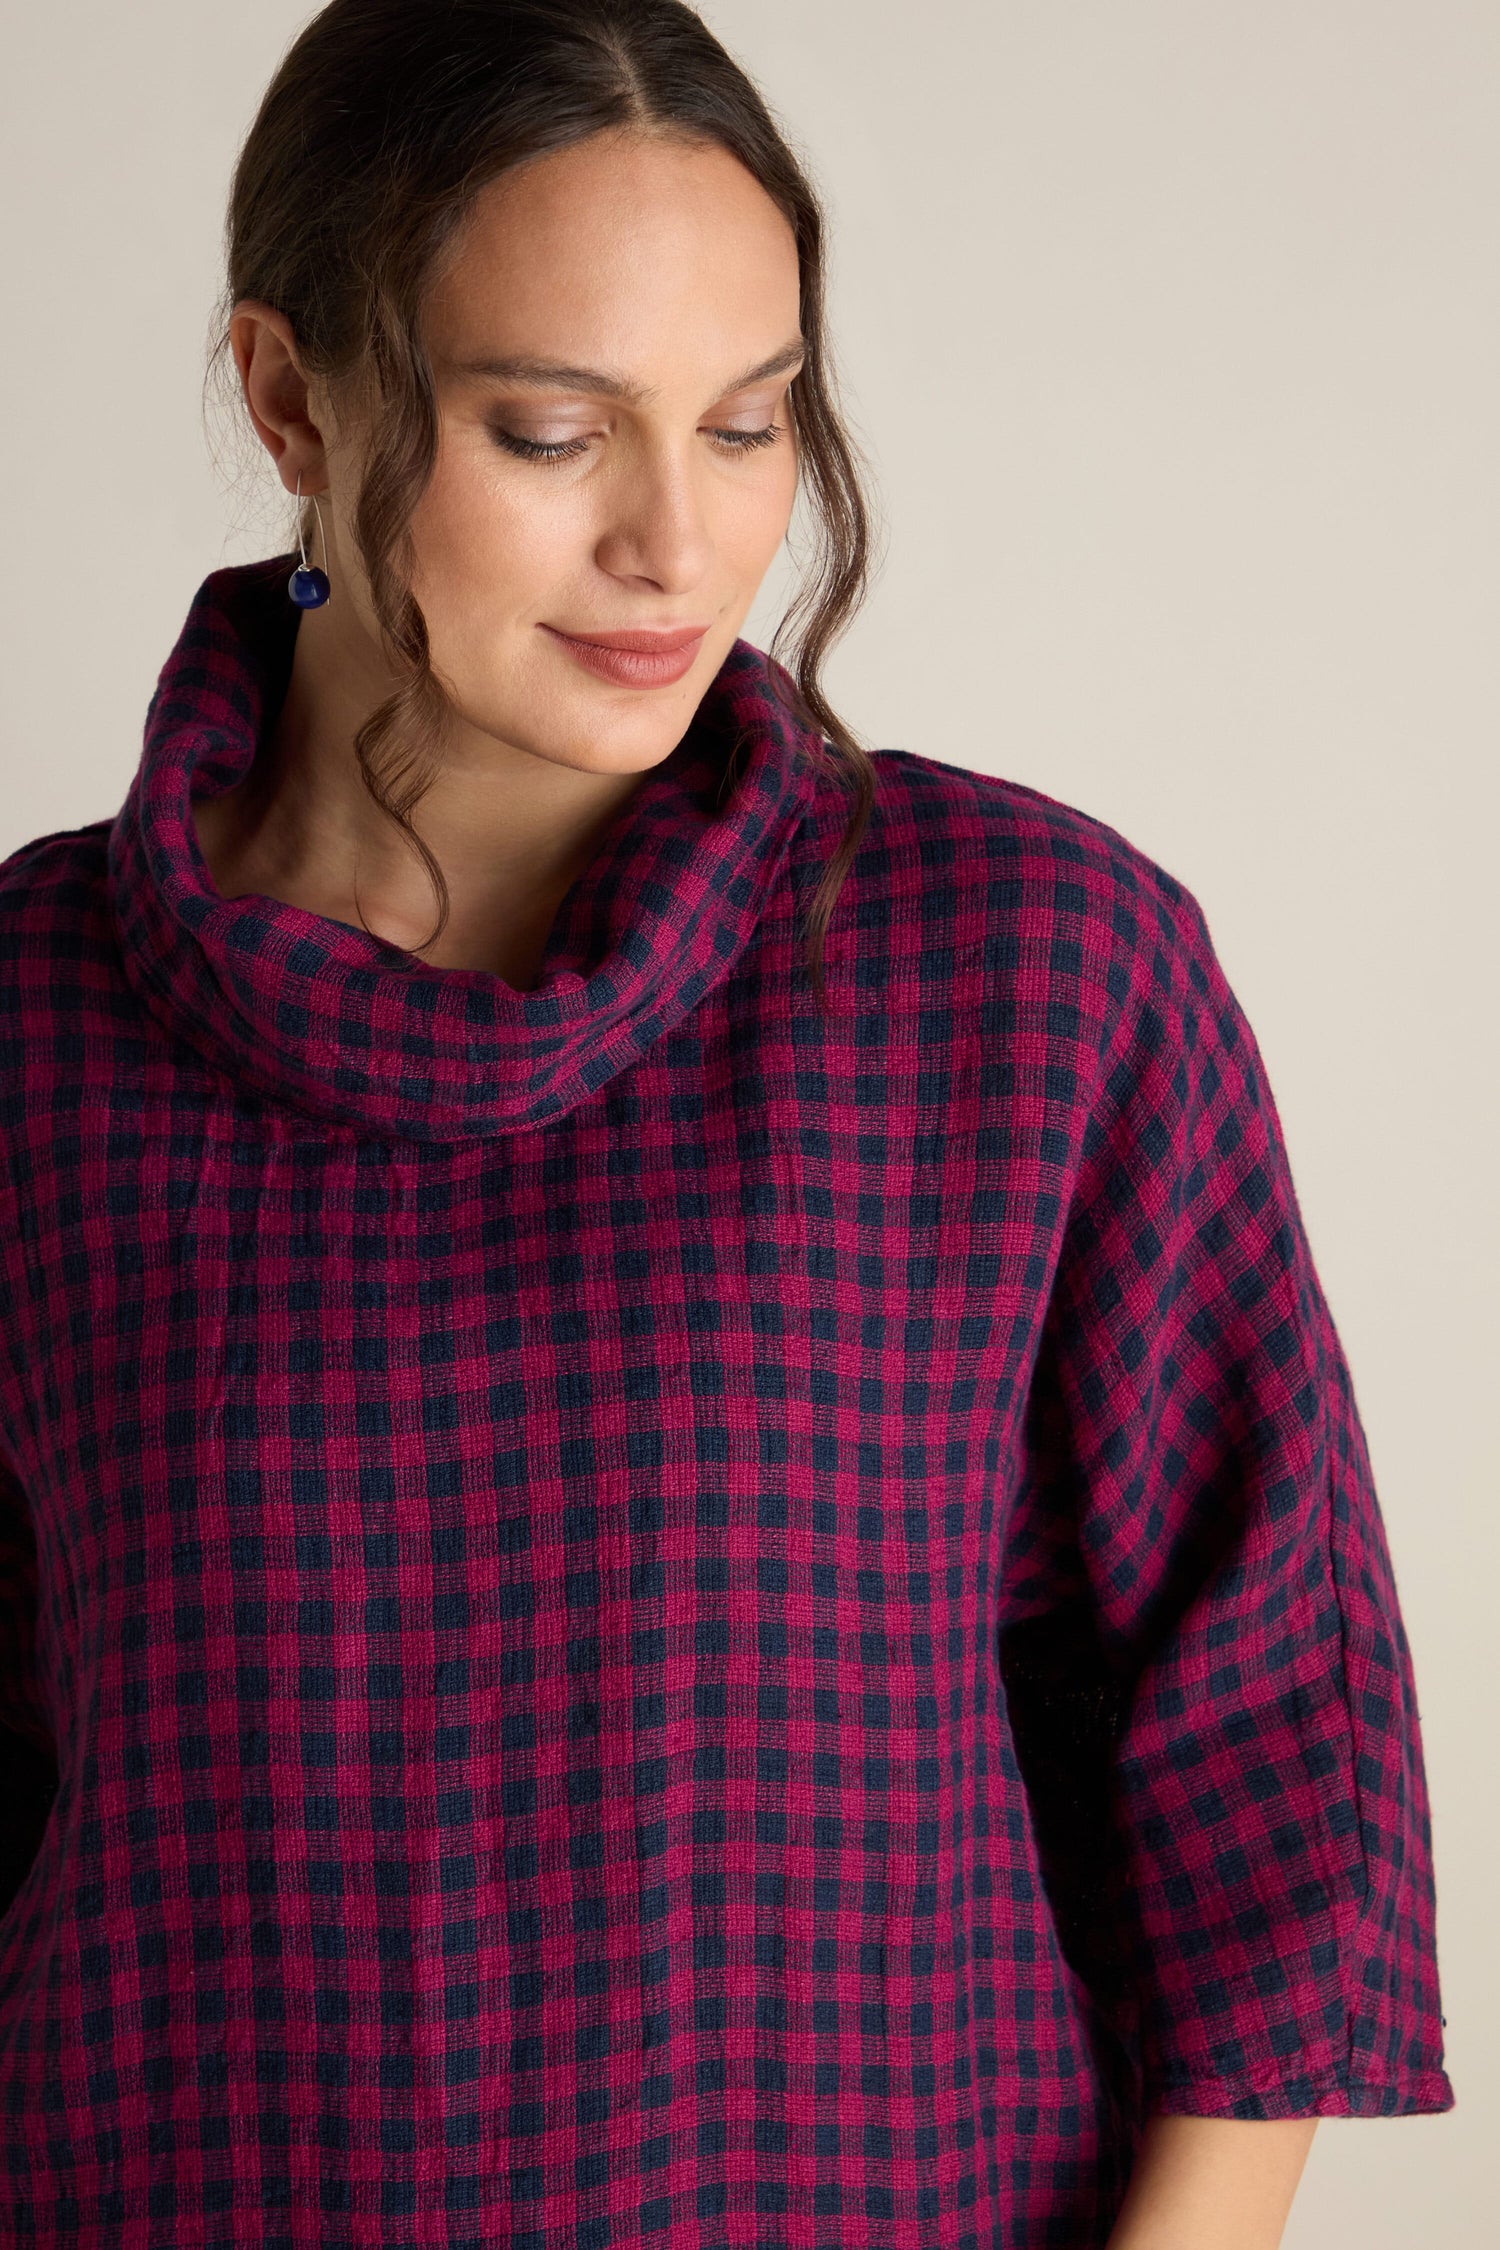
[649, 641]
[642, 658]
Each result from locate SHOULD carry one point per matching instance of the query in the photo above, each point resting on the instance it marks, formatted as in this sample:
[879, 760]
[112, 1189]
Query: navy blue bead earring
[308, 586]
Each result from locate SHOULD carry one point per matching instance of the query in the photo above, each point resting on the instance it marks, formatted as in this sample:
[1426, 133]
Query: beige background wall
[1173, 331]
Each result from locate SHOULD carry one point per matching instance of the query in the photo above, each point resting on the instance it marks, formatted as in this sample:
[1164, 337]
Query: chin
[603, 737]
[589, 747]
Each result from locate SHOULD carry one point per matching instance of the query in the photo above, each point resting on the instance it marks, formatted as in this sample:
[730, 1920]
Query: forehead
[648, 252]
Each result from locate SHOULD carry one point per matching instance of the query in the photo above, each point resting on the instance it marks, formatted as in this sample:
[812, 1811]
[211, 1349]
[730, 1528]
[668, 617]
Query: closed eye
[746, 441]
[568, 449]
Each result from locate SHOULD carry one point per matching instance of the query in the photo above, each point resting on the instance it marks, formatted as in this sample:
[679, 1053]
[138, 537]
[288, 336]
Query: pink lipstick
[641, 659]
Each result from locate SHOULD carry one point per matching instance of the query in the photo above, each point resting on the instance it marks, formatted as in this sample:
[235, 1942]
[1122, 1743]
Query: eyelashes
[535, 449]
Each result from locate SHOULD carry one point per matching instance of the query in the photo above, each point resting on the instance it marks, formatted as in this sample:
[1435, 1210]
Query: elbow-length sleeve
[1209, 1686]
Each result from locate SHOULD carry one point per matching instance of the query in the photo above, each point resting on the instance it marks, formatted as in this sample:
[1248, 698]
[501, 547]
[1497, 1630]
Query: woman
[689, 1551]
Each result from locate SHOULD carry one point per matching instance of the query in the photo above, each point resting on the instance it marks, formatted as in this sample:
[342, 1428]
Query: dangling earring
[308, 586]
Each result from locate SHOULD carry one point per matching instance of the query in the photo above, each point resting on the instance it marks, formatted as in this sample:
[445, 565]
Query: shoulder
[1060, 944]
[1002, 862]
[51, 886]
[56, 933]
[56, 974]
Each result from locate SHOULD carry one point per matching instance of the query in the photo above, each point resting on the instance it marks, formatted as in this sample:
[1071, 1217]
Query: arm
[1212, 2183]
[1207, 1678]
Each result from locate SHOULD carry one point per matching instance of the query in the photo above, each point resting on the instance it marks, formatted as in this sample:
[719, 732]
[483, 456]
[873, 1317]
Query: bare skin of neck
[511, 833]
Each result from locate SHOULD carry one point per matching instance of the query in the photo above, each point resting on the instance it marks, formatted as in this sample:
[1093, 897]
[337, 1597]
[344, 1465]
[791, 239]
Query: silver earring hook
[322, 534]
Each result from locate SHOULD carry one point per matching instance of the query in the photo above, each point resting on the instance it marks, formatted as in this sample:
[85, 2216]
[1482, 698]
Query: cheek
[505, 536]
[756, 518]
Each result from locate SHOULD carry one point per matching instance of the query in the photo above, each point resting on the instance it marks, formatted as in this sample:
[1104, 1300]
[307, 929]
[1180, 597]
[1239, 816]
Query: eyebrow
[559, 375]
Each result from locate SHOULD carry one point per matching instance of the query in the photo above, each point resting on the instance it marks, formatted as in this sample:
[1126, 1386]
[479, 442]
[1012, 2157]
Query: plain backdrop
[1171, 331]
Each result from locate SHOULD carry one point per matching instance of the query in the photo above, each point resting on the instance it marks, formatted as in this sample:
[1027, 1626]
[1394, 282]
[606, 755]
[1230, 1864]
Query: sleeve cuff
[1412, 2094]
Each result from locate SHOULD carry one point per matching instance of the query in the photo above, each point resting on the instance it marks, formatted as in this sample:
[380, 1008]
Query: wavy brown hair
[382, 125]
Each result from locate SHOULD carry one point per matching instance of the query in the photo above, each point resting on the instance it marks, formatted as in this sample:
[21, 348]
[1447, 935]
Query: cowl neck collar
[347, 1026]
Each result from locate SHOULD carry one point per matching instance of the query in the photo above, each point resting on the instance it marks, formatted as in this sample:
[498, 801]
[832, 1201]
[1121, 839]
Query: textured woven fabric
[632, 1614]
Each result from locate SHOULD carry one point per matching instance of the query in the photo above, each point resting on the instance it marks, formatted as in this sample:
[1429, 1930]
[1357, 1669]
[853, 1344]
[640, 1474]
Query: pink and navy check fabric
[635, 1615]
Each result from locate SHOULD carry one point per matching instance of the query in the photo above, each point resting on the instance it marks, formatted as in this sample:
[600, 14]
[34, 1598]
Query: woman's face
[612, 346]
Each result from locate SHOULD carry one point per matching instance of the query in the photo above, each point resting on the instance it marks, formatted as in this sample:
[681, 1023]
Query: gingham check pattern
[631, 1616]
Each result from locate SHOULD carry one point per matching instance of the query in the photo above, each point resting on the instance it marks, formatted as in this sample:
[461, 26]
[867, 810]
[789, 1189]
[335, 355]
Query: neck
[511, 831]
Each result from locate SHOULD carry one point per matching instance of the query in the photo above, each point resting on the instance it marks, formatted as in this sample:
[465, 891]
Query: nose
[657, 533]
